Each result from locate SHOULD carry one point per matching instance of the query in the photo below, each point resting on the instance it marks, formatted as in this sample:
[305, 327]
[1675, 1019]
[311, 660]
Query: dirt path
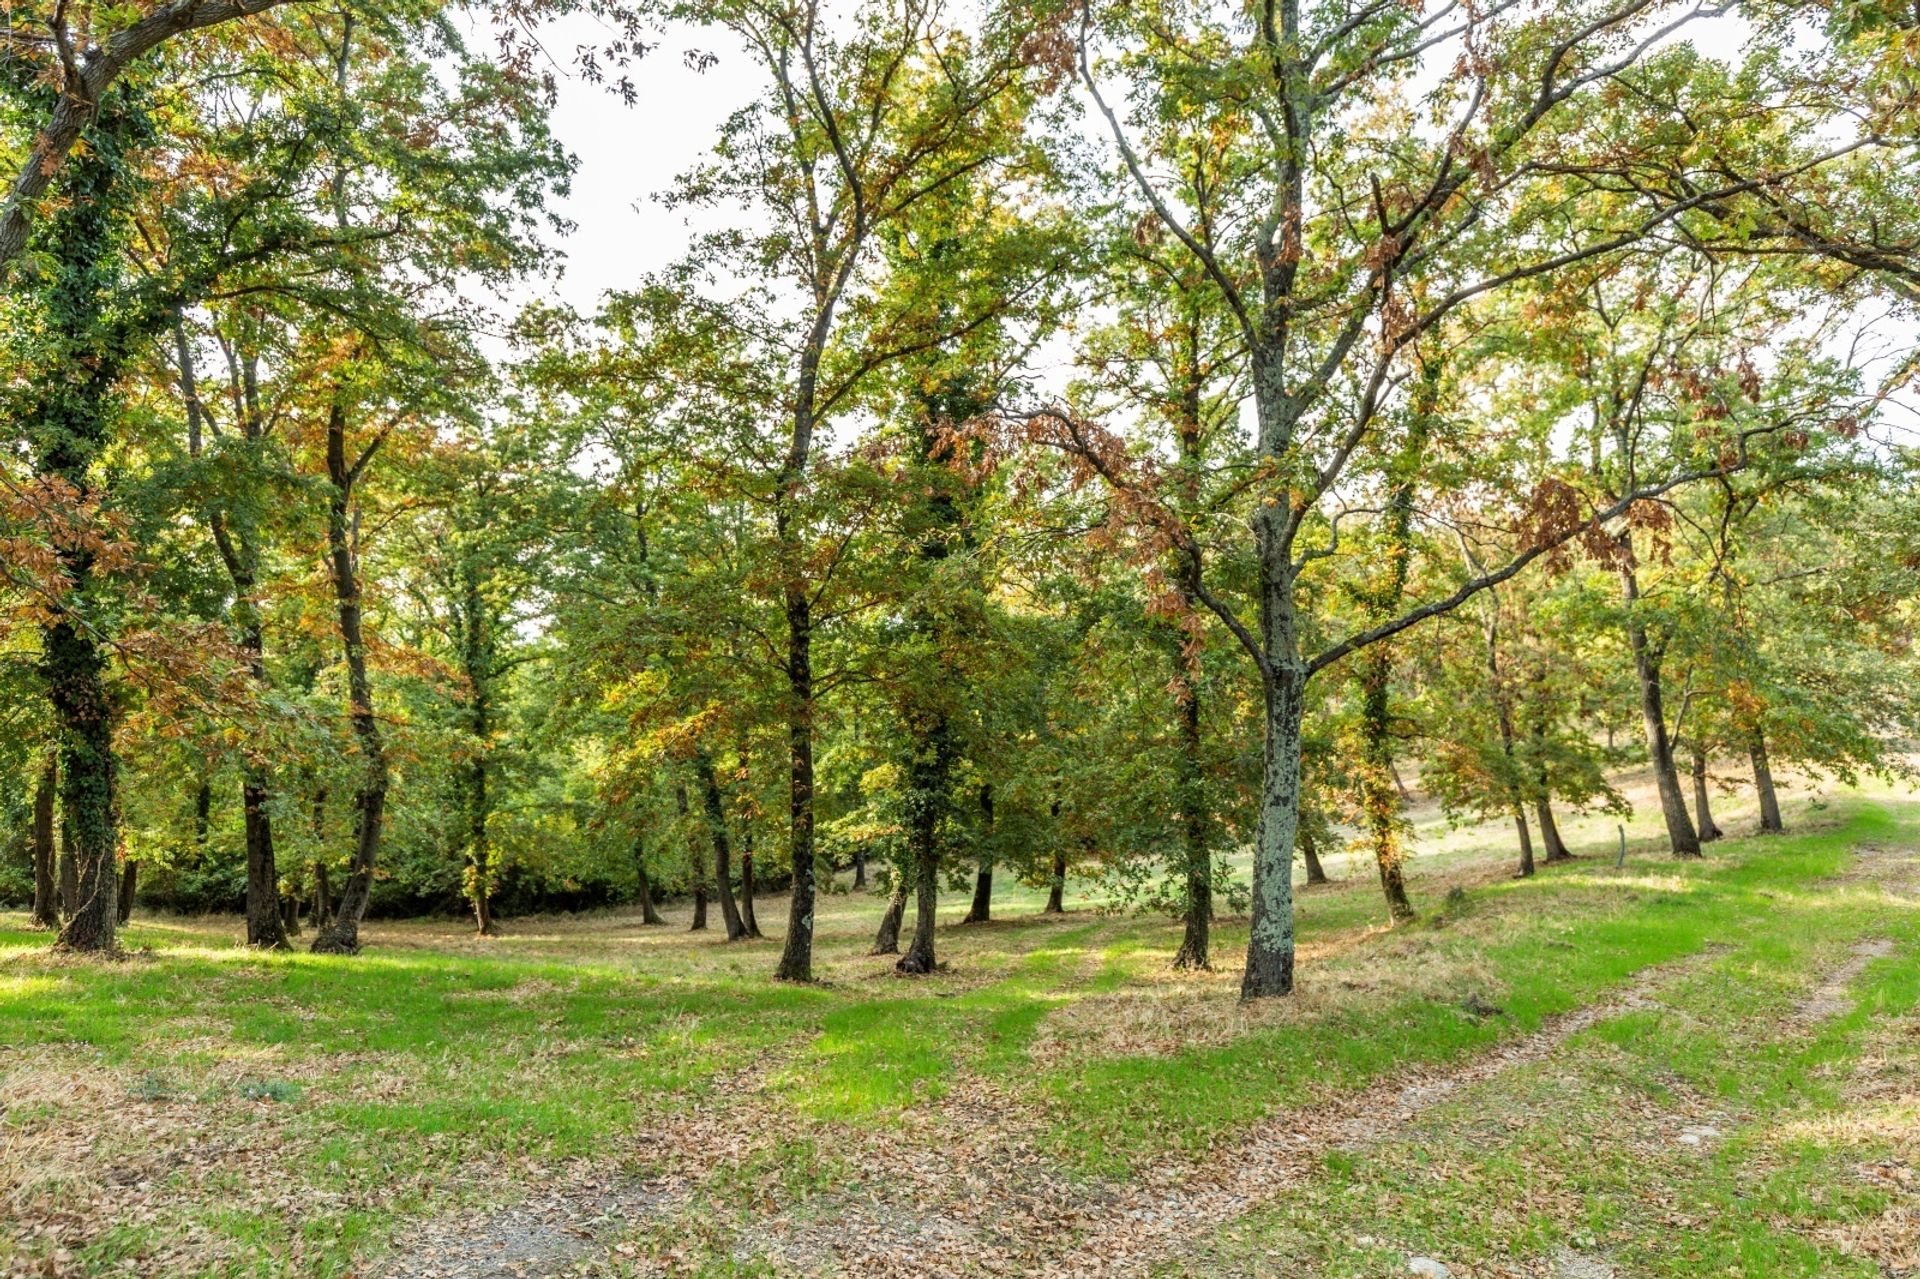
[963, 1190]
[1039, 1222]
[541, 1236]
[944, 1209]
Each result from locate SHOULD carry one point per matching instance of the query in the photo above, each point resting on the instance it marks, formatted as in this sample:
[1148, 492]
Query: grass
[197, 1109]
[1720, 1132]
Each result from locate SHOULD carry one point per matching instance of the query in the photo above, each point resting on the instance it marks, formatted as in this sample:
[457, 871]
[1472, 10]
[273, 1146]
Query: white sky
[628, 155]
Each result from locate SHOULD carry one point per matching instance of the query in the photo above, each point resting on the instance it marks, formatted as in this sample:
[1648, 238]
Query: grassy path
[1759, 1118]
[927, 1208]
[628, 1100]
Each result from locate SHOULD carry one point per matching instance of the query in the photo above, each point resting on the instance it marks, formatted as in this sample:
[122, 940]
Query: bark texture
[1271, 937]
[1380, 791]
[342, 934]
[1648, 654]
[1551, 844]
[1310, 849]
[981, 911]
[714, 806]
[1196, 934]
[749, 889]
[649, 912]
[239, 550]
[68, 423]
[477, 657]
[265, 927]
[76, 670]
[927, 776]
[322, 897]
[1379, 801]
[1708, 829]
[887, 940]
[46, 893]
[1770, 823]
[1526, 843]
[796, 955]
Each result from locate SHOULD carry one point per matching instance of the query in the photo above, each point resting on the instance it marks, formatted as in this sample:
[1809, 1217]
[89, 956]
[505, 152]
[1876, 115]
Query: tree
[80, 319]
[1171, 356]
[409, 193]
[84, 64]
[1358, 235]
[855, 130]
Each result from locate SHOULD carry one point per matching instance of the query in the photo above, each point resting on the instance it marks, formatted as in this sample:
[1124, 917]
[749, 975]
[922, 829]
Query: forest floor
[1663, 1069]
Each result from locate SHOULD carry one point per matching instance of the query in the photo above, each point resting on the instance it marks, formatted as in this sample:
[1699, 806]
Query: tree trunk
[1057, 884]
[477, 657]
[859, 868]
[265, 928]
[1503, 707]
[240, 553]
[1270, 941]
[129, 874]
[1709, 830]
[1550, 842]
[483, 913]
[68, 423]
[1196, 938]
[1310, 851]
[46, 903]
[479, 871]
[202, 815]
[69, 871]
[1526, 842]
[796, 957]
[1379, 803]
[982, 909]
[1770, 823]
[1381, 796]
[716, 812]
[75, 675]
[1681, 837]
[649, 912]
[927, 776]
[919, 958]
[887, 940]
[342, 934]
[748, 889]
[322, 897]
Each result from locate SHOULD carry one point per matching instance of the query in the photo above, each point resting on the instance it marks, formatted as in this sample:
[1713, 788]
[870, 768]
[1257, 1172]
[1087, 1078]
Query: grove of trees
[1099, 446]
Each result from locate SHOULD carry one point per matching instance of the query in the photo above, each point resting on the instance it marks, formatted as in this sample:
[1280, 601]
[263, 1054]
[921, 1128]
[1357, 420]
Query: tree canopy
[1113, 447]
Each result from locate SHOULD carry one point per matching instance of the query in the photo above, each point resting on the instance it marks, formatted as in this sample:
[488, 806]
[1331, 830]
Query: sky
[629, 154]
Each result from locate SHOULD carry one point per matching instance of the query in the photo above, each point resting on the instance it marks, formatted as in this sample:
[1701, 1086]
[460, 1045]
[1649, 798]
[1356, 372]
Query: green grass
[438, 1072]
[1595, 1134]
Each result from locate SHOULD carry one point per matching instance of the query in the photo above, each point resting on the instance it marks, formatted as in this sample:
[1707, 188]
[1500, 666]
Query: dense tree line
[1075, 444]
